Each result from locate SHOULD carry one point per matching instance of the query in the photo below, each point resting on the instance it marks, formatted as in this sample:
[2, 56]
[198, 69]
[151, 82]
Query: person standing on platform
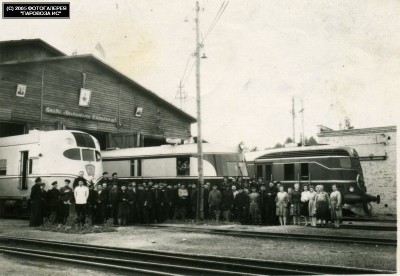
[101, 204]
[205, 200]
[52, 200]
[312, 207]
[295, 201]
[115, 180]
[254, 209]
[132, 203]
[79, 178]
[193, 201]
[182, 203]
[305, 197]
[113, 202]
[242, 203]
[170, 194]
[263, 199]
[214, 201]
[270, 204]
[66, 195]
[92, 203]
[227, 203]
[322, 203]
[36, 198]
[123, 205]
[143, 201]
[105, 196]
[104, 179]
[336, 206]
[81, 194]
[282, 199]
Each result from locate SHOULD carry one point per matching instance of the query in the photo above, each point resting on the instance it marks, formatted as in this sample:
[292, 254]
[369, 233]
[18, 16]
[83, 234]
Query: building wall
[57, 84]
[380, 175]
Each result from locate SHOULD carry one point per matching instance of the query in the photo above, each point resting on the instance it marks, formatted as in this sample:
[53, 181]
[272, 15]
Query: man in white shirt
[81, 194]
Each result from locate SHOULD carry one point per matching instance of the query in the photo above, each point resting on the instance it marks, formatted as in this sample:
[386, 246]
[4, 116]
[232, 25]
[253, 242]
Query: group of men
[128, 202]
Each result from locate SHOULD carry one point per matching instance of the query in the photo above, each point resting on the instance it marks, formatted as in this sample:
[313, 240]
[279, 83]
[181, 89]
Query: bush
[72, 227]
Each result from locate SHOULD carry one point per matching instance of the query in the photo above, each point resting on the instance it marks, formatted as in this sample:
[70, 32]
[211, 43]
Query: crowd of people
[247, 202]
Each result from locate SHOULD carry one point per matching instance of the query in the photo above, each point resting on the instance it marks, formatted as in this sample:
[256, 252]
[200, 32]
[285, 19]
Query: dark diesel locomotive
[316, 165]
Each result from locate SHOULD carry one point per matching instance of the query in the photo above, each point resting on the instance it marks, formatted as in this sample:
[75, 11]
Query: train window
[74, 154]
[84, 140]
[3, 166]
[304, 171]
[345, 162]
[87, 155]
[183, 166]
[289, 171]
[30, 166]
[259, 171]
[268, 172]
[98, 156]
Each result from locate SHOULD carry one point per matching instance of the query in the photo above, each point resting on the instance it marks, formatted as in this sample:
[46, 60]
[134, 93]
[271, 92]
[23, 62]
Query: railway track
[146, 262]
[369, 227]
[270, 235]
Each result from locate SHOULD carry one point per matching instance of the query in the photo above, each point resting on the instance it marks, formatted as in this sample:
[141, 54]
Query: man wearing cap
[143, 201]
[52, 199]
[205, 201]
[242, 205]
[123, 205]
[113, 202]
[214, 201]
[36, 198]
[65, 201]
[81, 194]
[115, 180]
[104, 179]
[270, 204]
[92, 203]
[132, 202]
[102, 202]
[227, 203]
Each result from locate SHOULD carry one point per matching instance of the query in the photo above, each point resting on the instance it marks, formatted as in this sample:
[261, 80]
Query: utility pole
[200, 192]
[293, 116]
[181, 95]
[303, 139]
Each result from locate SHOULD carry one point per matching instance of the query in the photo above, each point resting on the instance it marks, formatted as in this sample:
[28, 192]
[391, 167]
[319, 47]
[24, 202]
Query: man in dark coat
[143, 202]
[115, 180]
[37, 202]
[158, 200]
[92, 203]
[193, 201]
[270, 205]
[66, 195]
[205, 201]
[101, 204]
[242, 203]
[123, 205]
[263, 196]
[104, 179]
[132, 197]
[227, 202]
[113, 202]
[104, 200]
[52, 200]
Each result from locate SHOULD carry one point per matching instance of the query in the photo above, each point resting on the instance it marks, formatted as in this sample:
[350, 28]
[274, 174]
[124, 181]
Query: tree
[278, 145]
[288, 140]
[311, 141]
[347, 123]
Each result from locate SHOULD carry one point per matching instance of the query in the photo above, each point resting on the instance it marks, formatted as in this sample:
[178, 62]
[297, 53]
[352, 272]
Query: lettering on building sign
[69, 113]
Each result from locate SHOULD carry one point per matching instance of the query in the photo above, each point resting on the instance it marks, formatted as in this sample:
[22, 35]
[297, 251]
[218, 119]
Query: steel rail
[180, 263]
[272, 235]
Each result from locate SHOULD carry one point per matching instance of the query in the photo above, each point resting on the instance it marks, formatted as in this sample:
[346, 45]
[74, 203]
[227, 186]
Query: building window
[288, 172]
[3, 166]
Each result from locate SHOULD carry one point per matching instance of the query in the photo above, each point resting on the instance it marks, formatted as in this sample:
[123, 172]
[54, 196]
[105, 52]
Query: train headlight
[351, 189]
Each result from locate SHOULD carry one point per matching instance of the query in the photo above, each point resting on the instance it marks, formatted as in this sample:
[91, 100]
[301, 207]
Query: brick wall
[380, 175]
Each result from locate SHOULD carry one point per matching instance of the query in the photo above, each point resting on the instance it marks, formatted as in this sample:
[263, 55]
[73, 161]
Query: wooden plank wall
[112, 96]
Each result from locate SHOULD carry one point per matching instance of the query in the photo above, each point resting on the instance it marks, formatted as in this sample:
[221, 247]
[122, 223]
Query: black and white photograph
[199, 137]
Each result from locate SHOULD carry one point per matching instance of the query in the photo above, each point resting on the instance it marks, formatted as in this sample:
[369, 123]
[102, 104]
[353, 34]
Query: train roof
[297, 151]
[166, 150]
[32, 137]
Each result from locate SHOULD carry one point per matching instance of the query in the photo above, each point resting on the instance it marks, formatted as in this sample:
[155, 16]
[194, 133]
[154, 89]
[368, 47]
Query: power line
[216, 19]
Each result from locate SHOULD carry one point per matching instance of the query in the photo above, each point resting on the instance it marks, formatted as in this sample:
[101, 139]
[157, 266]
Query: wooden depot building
[43, 88]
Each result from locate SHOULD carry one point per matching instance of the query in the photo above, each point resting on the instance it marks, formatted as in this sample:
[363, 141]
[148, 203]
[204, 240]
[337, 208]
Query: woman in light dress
[312, 207]
[305, 197]
[282, 199]
[322, 203]
[336, 206]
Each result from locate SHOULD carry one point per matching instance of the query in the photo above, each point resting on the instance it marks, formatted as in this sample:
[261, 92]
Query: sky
[339, 58]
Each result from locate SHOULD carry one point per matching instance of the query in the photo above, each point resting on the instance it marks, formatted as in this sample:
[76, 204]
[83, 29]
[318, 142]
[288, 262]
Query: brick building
[42, 88]
[377, 150]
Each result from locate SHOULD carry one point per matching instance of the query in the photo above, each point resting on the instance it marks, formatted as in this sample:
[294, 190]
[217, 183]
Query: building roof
[357, 131]
[99, 62]
[36, 41]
